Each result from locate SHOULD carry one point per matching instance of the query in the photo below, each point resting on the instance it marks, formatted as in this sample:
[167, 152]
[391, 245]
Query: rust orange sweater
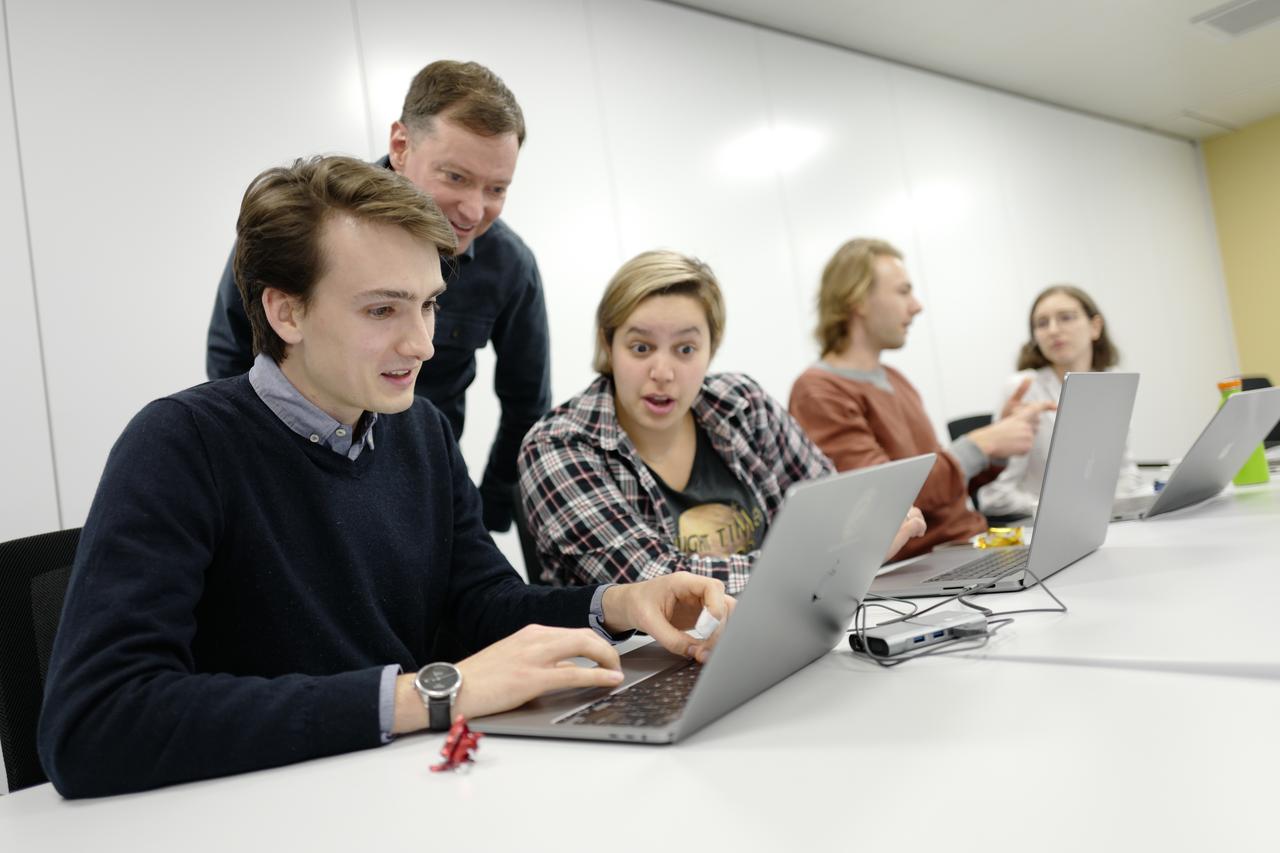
[858, 424]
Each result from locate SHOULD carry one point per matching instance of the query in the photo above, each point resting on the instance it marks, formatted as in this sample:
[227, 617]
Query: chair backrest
[33, 581]
[528, 548]
[960, 426]
[1252, 383]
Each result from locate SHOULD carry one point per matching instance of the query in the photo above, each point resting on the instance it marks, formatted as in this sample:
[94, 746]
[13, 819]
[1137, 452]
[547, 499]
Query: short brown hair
[1105, 353]
[657, 273]
[846, 281]
[284, 211]
[471, 94]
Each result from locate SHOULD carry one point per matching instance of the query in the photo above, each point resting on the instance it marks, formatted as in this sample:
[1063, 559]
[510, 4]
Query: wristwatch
[438, 684]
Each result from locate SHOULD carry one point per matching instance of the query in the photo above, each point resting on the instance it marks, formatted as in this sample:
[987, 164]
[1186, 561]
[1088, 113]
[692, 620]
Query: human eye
[1068, 317]
[498, 192]
[431, 306]
[639, 348]
[379, 312]
[686, 349]
[1042, 322]
[454, 177]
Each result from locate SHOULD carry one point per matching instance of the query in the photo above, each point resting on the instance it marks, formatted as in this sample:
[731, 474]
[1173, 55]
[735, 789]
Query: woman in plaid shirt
[657, 467]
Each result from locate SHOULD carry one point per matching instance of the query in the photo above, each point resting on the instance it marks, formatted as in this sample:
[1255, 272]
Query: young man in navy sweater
[269, 557]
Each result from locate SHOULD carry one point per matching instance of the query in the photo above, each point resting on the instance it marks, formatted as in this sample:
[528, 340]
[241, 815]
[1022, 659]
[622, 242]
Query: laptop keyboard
[993, 564]
[655, 701]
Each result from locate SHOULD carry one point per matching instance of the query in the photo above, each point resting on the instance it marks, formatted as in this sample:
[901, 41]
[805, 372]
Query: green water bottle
[1255, 468]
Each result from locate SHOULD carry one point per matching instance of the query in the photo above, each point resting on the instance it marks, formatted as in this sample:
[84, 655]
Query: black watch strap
[438, 714]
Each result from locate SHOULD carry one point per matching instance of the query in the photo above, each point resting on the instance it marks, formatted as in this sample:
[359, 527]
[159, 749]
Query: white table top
[1194, 590]
[978, 752]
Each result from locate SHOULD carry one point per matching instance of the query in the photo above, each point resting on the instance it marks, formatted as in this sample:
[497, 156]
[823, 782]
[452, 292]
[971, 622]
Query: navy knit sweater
[238, 590]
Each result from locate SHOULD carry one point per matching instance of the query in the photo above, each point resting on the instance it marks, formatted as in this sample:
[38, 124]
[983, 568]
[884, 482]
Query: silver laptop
[1233, 432]
[818, 559]
[1075, 500]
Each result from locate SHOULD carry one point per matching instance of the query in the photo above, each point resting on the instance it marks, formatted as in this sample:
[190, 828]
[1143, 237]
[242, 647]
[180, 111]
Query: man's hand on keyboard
[532, 661]
[665, 607]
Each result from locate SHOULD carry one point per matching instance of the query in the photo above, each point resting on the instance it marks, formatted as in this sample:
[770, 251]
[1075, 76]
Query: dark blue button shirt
[494, 294]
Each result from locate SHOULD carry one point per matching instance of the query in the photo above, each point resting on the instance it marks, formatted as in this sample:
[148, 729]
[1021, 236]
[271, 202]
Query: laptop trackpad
[637, 664]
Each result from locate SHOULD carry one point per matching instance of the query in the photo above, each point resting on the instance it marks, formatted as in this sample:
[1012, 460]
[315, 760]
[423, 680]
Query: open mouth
[659, 404]
[399, 377]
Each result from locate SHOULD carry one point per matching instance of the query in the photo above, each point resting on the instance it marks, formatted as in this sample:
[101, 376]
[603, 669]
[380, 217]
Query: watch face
[439, 678]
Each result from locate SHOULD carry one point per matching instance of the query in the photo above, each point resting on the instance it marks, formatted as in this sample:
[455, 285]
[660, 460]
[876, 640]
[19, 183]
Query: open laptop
[1233, 432]
[1075, 500]
[819, 556]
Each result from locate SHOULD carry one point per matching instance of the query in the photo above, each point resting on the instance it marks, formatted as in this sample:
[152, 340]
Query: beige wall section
[1244, 182]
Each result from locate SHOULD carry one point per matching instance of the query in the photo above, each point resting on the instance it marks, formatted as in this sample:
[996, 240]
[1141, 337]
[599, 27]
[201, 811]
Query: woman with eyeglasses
[1067, 335]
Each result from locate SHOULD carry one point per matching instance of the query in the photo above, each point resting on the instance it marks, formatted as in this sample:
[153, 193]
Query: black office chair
[33, 581]
[528, 548]
[1253, 383]
[960, 426]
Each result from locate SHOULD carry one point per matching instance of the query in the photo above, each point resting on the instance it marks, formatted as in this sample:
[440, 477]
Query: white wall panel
[649, 125]
[853, 185]
[962, 218]
[685, 108]
[142, 124]
[1010, 196]
[28, 503]
[1122, 214]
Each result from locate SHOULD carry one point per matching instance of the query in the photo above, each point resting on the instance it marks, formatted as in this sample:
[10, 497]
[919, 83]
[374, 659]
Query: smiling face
[660, 355]
[358, 344]
[466, 173]
[886, 312]
[1065, 332]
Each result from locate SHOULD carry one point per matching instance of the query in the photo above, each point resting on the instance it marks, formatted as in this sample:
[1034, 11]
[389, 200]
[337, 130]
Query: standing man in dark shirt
[457, 139]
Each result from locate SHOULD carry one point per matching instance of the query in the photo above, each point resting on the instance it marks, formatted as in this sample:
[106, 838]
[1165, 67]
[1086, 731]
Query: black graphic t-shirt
[715, 514]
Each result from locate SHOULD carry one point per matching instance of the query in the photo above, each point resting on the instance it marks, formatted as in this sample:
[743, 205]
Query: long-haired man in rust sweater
[861, 412]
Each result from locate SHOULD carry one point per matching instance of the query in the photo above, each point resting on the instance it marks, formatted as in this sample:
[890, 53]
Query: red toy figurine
[459, 747]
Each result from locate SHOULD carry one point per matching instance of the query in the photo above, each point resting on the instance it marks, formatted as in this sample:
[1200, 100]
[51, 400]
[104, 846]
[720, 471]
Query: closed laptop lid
[1089, 435]
[1237, 428]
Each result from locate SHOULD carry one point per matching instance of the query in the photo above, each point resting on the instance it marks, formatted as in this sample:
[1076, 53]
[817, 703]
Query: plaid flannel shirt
[595, 509]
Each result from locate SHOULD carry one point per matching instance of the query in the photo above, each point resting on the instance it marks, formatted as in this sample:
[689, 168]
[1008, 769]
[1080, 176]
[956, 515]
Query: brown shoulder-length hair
[1105, 353]
[282, 216]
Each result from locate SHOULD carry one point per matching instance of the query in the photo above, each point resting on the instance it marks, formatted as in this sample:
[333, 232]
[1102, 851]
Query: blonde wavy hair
[846, 281]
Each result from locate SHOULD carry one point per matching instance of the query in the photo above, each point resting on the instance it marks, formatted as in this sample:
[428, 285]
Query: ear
[1095, 327]
[398, 145]
[283, 313]
[605, 348]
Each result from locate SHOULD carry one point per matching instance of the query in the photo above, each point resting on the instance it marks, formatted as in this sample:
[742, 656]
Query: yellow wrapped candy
[999, 537]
